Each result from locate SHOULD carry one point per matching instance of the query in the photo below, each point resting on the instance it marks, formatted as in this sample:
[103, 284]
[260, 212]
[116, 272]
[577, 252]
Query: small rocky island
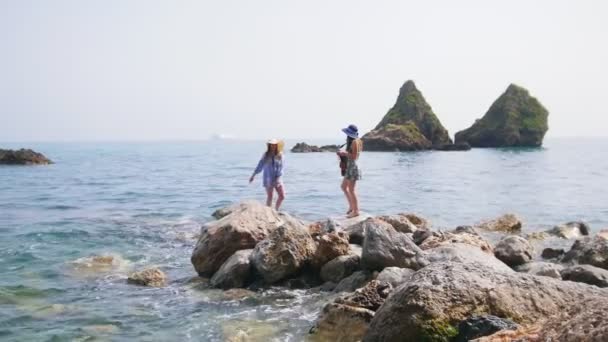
[23, 157]
[305, 148]
[397, 278]
[515, 119]
[410, 125]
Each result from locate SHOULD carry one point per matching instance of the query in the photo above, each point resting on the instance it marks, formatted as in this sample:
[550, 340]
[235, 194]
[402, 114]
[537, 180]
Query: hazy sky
[131, 70]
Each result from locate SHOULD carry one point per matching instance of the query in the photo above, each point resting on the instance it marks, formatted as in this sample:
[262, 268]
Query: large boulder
[400, 222]
[354, 281]
[409, 125]
[447, 238]
[507, 223]
[514, 119]
[340, 268]
[395, 275]
[587, 321]
[22, 157]
[347, 318]
[235, 272]
[438, 297]
[589, 250]
[284, 253]
[570, 230]
[328, 247]
[539, 268]
[514, 250]
[243, 227]
[465, 253]
[586, 274]
[383, 246]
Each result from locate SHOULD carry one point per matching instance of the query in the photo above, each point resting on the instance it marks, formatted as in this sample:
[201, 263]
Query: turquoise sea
[144, 203]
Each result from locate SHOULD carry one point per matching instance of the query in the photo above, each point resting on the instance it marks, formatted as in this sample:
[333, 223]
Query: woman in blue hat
[354, 146]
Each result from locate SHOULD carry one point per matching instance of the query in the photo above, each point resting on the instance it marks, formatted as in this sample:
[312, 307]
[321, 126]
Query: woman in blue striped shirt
[272, 166]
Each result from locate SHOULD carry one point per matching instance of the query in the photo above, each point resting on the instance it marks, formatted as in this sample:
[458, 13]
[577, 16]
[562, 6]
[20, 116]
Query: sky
[186, 70]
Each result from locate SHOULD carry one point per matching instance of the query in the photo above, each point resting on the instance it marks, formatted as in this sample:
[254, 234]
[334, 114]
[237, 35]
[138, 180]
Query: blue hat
[352, 131]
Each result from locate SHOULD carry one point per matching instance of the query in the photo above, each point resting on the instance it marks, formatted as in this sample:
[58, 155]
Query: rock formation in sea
[22, 157]
[408, 126]
[514, 119]
[395, 278]
[305, 148]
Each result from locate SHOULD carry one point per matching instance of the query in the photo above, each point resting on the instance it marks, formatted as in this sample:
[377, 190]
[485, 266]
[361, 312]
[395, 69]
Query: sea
[143, 204]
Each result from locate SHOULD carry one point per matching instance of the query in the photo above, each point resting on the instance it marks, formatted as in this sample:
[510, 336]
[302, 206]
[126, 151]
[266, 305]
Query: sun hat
[352, 131]
[279, 143]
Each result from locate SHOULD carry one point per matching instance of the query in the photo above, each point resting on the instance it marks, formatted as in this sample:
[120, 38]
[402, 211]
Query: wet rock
[546, 269]
[149, 277]
[400, 222]
[464, 253]
[439, 296]
[246, 225]
[570, 230]
[383, 247]
[235, 272]
[22, 157]
[394, 275]
[589, 250]
[284, 253]
[514, 250]
[328, 247]
[514, 119]
[465, 237]
[507, 223]
[354, 281]
[552, 253]
[586, 274]
[347, 318]
[340, 268]
[479, 326]
[340, 322]
[603, 234]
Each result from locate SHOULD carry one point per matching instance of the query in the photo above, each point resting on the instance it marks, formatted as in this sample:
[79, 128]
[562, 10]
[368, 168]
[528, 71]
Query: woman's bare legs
[269, 191]
[345, 188]
[353, 198]
[281, 193]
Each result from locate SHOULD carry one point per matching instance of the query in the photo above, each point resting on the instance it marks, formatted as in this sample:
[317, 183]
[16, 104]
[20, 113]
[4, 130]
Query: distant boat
[222, 137]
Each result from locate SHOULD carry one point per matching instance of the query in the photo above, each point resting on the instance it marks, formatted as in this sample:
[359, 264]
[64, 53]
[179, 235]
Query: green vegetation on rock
[409, 125]
[437, 331]
[514, 119]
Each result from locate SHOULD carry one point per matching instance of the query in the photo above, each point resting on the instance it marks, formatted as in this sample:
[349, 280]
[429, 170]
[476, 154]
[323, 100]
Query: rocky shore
[397, 278]
[305, 148]
[22, 157]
